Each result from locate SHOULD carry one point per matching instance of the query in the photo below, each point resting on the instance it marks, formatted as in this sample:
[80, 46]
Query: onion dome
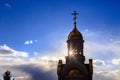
[75, 34]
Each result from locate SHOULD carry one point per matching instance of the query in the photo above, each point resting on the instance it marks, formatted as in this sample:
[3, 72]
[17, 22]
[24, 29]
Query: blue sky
[33, 31]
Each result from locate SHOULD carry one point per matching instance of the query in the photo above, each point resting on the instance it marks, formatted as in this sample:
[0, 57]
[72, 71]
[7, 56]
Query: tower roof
[75, 34]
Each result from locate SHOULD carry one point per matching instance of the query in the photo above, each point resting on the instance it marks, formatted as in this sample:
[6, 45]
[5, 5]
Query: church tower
[75, 67]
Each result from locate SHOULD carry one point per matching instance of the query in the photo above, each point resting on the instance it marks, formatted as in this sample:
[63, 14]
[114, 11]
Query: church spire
[75, 17]
[75, 67]
[75, 42]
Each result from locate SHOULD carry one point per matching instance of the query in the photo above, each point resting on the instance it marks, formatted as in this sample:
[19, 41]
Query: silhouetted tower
[7, 75]
[75, 44]
[75, 68]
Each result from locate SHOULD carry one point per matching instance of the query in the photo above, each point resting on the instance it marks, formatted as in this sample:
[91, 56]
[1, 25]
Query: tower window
[74, 72]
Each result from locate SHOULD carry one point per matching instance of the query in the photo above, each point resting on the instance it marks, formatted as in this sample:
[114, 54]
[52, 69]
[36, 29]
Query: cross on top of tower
[75, 14]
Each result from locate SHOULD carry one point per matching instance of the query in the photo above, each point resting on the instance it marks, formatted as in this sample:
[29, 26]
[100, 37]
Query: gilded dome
[75, 34]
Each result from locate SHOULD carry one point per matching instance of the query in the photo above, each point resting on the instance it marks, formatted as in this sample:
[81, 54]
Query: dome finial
[74, 14]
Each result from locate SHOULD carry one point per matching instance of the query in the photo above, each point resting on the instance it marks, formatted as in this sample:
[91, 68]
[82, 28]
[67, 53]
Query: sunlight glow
[70, 52]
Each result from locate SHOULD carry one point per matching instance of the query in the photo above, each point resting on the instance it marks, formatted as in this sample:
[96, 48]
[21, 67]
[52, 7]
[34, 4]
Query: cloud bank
[106, 59]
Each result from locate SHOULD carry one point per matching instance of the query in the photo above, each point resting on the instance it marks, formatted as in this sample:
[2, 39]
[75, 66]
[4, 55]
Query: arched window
[74, 72]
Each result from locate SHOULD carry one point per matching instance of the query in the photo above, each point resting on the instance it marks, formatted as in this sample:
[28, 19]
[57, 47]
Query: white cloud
[110, 75]
[102, 51]
[99, 62]
[30, 41]
[116, 61]
[29, 68]
[7, 51]
[106, 56]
